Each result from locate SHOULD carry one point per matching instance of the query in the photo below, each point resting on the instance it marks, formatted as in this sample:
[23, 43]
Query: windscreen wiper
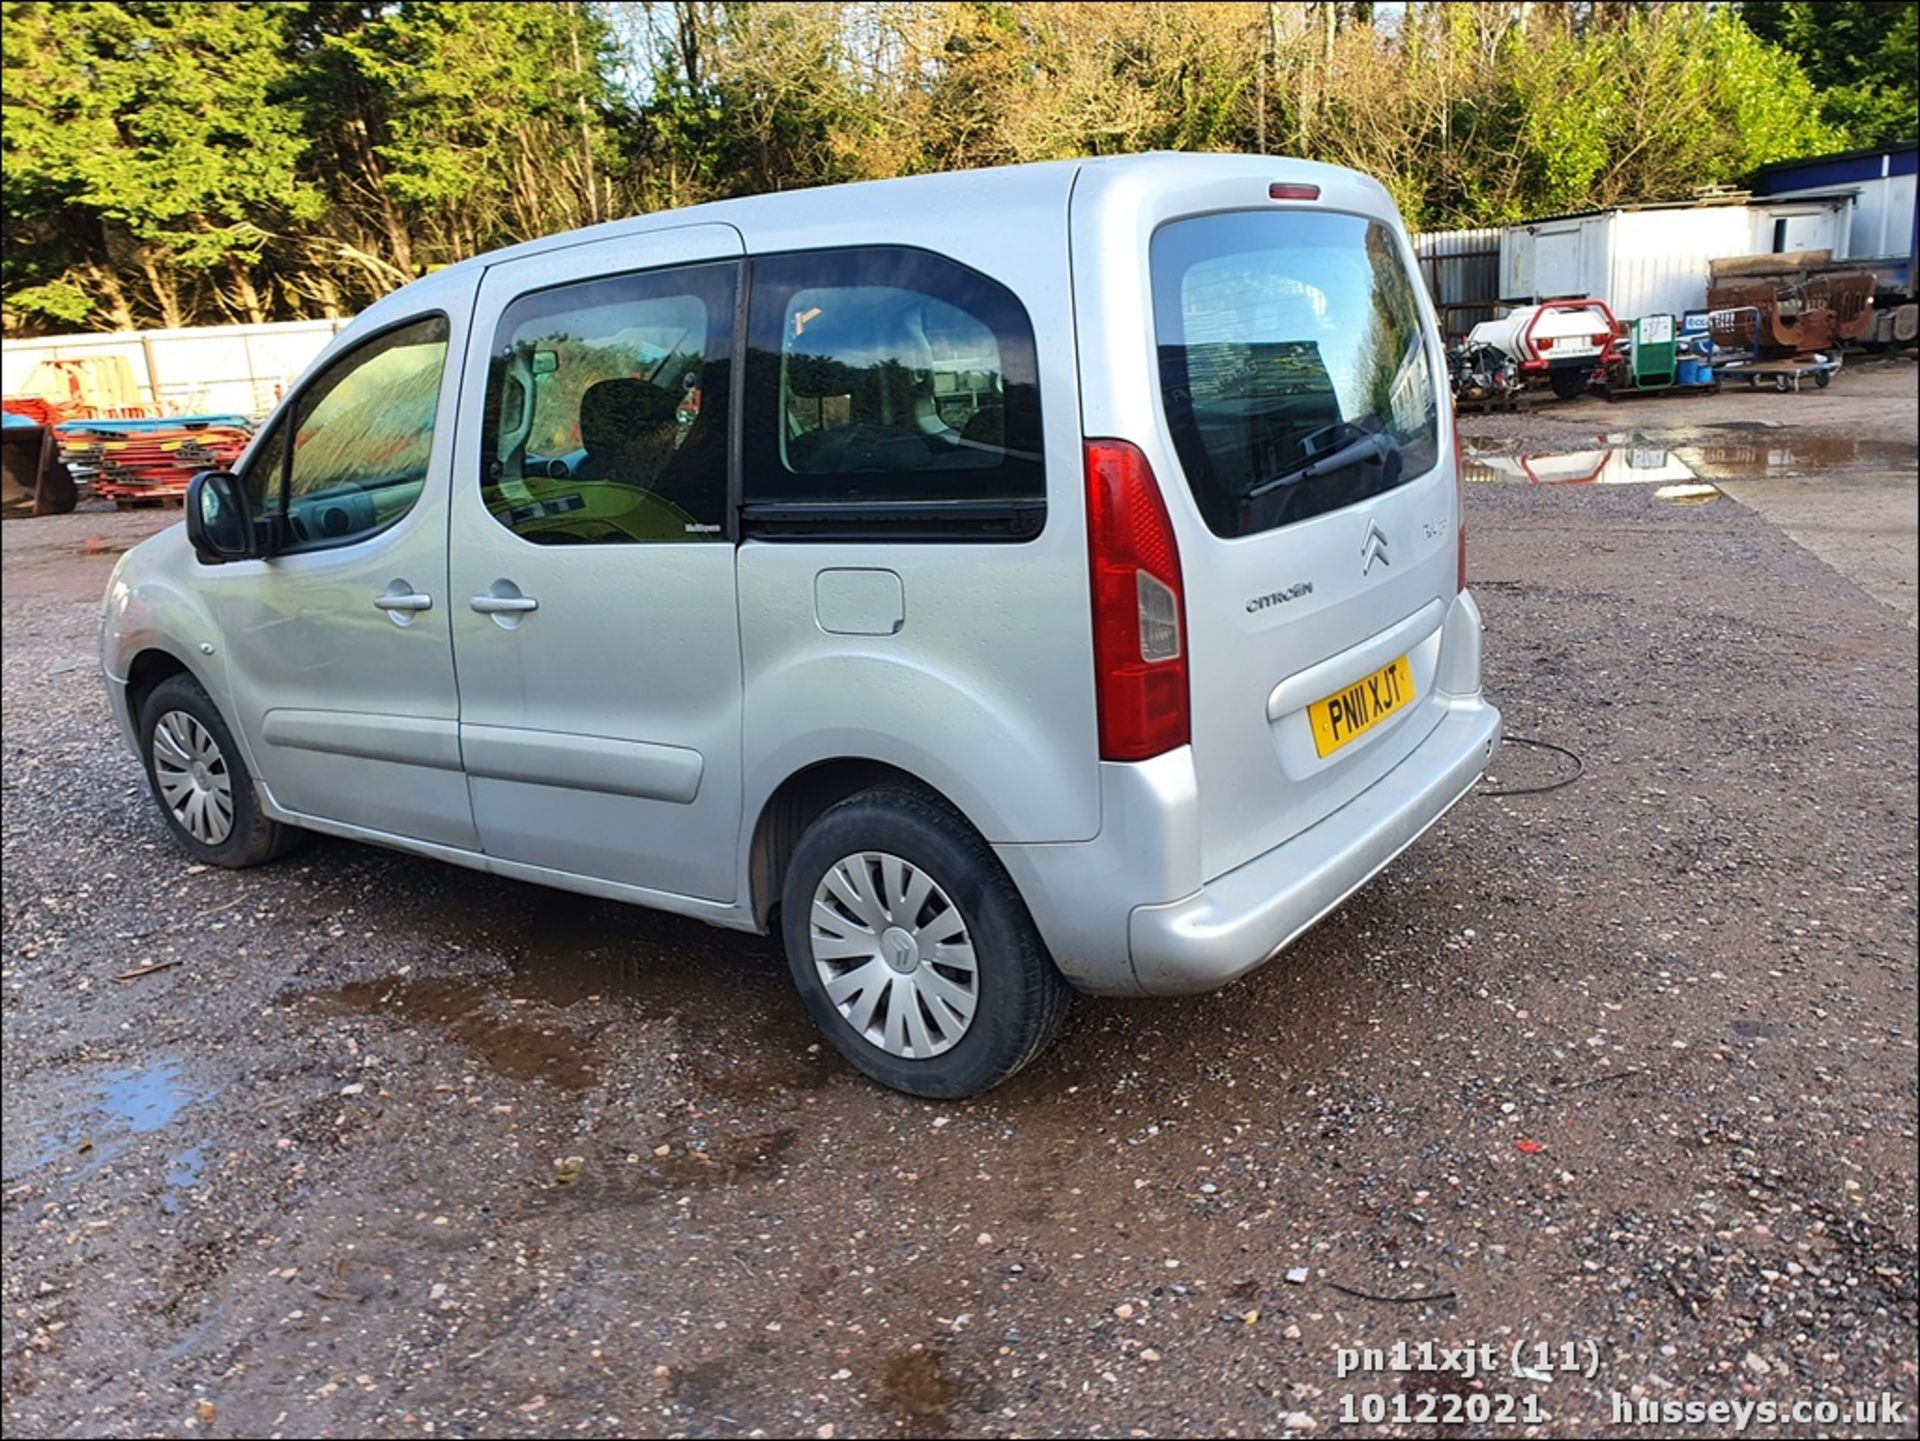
[1373, 448]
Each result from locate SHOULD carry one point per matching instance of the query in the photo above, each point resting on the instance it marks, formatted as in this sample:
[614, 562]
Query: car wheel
[1568, 384]
[201, 783]
[912, 949]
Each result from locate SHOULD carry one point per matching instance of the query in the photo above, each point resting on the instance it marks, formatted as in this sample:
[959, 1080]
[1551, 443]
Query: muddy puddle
[668, 1168]
[1685, 474]
[917, 1386]
[563, 954]
[477, 1014]
[1774, 456]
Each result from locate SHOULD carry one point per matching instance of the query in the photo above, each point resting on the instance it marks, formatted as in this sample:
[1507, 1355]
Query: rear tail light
[1543, 343]
[1459, 507]
[1601, 341]
[1279, 191]
[1139, 607]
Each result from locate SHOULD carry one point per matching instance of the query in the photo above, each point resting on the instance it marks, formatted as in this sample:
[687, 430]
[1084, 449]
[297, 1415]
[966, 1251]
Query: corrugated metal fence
[1462, 271]
[224, 369]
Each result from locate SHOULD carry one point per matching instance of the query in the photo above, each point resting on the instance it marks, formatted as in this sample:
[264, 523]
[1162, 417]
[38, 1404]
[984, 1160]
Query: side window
[606, 410]
[362, 437]
[890, 391]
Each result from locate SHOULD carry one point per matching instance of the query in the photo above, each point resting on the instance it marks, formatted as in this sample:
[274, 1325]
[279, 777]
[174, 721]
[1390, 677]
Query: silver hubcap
[894, 954]
[192, 776]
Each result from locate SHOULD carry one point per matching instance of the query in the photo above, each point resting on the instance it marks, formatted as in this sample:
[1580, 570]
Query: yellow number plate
[1361, 706]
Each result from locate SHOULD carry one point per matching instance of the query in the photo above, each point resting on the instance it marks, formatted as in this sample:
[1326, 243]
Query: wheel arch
[145, 673]
[802, 798]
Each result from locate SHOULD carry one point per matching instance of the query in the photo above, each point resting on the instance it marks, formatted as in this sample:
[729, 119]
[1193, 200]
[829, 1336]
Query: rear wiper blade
[1370, 449]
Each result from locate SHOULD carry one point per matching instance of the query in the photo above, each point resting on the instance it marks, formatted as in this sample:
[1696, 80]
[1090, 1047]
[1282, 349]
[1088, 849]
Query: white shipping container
[1882, 226]
[1655, 261]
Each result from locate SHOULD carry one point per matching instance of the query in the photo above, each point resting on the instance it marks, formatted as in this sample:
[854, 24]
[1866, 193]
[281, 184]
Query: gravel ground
[388, 1147]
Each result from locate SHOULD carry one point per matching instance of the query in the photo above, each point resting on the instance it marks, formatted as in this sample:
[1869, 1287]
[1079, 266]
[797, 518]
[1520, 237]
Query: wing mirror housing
[221, 526]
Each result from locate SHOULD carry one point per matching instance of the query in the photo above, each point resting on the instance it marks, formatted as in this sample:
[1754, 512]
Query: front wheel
[200, 781]
[912, 950]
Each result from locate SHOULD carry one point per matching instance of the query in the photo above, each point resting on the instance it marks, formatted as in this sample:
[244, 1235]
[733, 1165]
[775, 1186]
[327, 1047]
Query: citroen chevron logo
[1373, 548]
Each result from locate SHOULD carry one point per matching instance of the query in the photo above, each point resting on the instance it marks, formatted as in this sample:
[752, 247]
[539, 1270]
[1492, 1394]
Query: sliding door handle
[504, 604]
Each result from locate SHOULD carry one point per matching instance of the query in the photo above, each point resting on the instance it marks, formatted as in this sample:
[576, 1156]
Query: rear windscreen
[1292, 363]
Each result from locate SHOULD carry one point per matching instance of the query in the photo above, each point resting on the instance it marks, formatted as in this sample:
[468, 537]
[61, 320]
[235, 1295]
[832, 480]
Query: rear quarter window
[1293, 364]
[890, 392]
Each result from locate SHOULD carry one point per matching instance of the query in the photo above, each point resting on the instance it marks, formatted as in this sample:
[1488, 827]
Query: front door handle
[407, 600]
[504, 604]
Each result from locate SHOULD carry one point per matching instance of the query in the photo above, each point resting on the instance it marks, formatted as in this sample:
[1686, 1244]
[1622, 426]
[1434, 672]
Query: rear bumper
[1242, 919]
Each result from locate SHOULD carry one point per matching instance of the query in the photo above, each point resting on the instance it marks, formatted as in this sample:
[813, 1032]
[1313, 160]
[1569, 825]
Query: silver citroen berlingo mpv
[1003, 583]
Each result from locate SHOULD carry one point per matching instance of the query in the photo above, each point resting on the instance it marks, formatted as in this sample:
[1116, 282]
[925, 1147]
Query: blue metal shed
[1885, 232]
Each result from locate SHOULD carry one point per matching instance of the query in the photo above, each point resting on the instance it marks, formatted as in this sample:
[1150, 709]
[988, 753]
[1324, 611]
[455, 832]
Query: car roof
[811, 216]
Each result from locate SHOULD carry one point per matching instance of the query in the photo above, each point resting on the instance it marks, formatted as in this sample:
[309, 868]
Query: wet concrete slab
[1854, 503]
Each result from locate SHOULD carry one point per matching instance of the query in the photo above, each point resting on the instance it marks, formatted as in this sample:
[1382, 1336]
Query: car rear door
[596, 635]
[1276, 361]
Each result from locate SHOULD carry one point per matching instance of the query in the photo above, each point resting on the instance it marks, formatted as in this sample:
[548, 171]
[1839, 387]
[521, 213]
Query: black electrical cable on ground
[1579, 769]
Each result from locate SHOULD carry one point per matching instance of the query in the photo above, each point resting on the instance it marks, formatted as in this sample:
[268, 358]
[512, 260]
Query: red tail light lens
[1459, 506]
[1278, 191]
[1543, 343]
[1139, 608]
[1601, 340]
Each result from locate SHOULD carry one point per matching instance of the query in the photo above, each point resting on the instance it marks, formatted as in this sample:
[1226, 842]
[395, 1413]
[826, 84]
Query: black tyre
[1822, 378]
[912, 950]
[1568, 384]
[200, 782]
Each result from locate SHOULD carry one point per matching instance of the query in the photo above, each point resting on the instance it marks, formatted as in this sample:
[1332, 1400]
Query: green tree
[197, 161]
[150, 153]
[1653, 108]
[440, 130]
[1859, 53]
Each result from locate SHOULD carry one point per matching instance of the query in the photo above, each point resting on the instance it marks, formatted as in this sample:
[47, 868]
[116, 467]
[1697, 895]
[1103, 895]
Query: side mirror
[219, 523]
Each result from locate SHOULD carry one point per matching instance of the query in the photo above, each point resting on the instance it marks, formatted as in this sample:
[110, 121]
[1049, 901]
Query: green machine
[1651, 361]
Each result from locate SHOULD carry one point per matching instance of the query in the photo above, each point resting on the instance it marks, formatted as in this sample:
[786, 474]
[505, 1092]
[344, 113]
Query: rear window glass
[1292, 364]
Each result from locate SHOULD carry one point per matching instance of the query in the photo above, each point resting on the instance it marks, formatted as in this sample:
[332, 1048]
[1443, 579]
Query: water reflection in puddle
[1618, 459]
[144, 1100]
[183, 1174]
[122, 1105]
[1610, 465]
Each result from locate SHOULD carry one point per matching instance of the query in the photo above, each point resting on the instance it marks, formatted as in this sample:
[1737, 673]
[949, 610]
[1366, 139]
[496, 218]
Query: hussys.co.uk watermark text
[1483, 1366]
[1885, 1409]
